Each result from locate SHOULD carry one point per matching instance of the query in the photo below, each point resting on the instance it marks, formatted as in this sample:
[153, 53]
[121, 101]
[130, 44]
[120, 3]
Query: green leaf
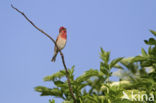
[91, 98]
[59, 75]
[48, 91]
[139, 58]
[88, 74]
[66, 101]
[118, 66]
[59, 83]
[151, 41]
[105, 56]
[146, 41]
[153, 52]
[104, 65]
[104, 68]
[153, 32]
[146, 63]
[149, 50]
[72, 69]
[115, 61]
[105, 71]
[102, 51]
[82, 86]
[52, 101]
[130, 66]
[143, 52]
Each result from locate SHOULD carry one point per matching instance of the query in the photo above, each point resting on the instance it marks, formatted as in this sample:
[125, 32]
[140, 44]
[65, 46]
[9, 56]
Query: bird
[60, 42]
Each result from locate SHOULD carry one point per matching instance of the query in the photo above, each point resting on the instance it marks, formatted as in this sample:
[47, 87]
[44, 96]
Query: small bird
[60, 42]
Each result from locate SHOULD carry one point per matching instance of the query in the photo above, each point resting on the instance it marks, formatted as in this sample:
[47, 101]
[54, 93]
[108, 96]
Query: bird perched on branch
[60, 42]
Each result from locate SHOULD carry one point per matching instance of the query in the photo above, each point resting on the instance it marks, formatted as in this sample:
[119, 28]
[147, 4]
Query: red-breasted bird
[60, 42]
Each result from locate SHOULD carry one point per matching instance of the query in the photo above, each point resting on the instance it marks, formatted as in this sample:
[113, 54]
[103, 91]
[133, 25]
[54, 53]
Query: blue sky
[119, 26]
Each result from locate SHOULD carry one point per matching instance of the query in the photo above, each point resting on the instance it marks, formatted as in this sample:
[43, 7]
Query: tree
[94, 86]
[138, 78]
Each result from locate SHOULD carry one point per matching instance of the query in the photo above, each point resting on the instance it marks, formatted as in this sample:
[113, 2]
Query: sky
[119, 26]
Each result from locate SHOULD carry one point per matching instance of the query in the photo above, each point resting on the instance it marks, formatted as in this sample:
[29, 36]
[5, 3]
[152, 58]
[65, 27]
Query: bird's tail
[54, 57]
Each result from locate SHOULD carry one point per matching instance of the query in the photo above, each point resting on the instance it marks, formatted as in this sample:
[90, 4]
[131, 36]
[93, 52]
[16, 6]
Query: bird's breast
[61, 43]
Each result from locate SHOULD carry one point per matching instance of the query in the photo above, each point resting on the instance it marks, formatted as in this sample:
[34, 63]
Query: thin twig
[62, 56]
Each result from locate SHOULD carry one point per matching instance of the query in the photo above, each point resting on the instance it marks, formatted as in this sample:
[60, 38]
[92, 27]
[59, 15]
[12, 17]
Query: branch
[62, 56]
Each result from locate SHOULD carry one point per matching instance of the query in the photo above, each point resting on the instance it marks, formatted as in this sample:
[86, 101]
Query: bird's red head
[63, 32]
[62, 29]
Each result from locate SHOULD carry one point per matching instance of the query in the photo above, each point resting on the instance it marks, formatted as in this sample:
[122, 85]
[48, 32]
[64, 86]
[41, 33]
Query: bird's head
[63, 32]
[62, 29]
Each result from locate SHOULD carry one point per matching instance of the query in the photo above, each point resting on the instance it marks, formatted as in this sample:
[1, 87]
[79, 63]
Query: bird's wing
[56, 43]
[57, 38]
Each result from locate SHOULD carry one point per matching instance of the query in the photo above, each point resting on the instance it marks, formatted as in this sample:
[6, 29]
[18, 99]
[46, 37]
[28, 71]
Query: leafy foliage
[136, 74]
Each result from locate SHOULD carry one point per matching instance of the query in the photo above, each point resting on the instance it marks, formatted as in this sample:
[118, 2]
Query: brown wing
[55, 49]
